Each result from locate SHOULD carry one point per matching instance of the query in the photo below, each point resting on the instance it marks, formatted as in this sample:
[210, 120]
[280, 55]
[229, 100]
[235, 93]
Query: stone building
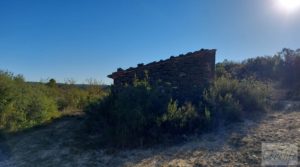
[183, 73]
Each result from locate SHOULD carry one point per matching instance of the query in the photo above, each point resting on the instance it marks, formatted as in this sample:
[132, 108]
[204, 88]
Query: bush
[22, 105]
[178, 120]
[291, 72]
[73, 98]
[282, 68]
[228, 99]
[138, 115]
[129, 117]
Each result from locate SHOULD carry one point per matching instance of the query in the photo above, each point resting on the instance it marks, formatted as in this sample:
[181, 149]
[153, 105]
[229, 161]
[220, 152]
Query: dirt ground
[235, 145]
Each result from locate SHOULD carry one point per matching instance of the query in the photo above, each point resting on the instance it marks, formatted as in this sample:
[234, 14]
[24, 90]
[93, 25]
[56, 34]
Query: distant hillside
[84, 86]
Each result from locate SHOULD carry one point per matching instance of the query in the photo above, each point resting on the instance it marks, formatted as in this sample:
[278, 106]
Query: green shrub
[23, 105]
[177, 120]
[40, 108]
[129, 117]
[138, 115]
[73, 98]
[264, 68]
[228, 99]
[282, 69]
[95, 91]
[141, 114]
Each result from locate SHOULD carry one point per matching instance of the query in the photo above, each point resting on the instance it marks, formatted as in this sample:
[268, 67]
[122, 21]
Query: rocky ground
[235, 145]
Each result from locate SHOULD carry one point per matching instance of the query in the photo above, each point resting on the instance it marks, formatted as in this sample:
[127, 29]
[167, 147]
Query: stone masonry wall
[183, 73]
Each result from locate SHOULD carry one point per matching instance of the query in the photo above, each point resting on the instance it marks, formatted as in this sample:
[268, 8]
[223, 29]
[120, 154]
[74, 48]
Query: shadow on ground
[62, 143]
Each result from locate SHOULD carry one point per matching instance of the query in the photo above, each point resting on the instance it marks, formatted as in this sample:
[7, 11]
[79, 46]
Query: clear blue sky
[81, 39]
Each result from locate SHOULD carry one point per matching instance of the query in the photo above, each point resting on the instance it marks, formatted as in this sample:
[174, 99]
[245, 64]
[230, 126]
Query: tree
[52, 83]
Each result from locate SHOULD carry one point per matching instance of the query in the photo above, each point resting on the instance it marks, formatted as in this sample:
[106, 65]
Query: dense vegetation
[24, 105]
[141, 114]
[282, 68]
[230, 99]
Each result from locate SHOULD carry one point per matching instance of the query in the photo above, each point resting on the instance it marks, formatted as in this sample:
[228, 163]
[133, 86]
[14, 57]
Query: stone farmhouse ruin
[185, 73]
